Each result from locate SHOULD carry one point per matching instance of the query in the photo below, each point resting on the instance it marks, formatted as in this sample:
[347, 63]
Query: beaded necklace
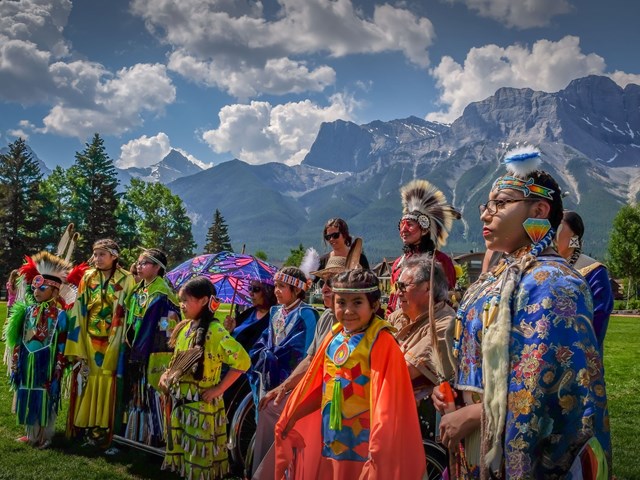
[490, 307]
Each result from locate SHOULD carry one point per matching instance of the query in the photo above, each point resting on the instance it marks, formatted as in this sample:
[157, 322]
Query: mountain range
[588, 133]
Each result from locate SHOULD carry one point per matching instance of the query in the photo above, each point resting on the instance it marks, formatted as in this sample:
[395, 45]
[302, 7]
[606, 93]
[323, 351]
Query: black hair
[575, 222]
[268, 293]
[109, 245]
[342, 227]
[158, 255]
[359, 278]
[425, 245]
[296, 273]
[201, 287]
[544, 179]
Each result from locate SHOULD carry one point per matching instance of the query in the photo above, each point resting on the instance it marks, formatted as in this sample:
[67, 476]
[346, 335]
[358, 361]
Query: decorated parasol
[231, 274]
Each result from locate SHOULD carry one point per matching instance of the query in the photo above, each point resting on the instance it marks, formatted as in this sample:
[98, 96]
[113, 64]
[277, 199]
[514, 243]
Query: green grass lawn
[70, 461]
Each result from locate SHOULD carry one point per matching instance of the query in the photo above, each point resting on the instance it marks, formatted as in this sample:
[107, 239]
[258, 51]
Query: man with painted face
[424, 228]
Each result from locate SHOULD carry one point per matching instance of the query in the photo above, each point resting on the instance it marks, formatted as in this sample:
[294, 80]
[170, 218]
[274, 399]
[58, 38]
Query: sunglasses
[322, 283]
[402, 286]
[42, 288]
[332, 236]
[255, 289]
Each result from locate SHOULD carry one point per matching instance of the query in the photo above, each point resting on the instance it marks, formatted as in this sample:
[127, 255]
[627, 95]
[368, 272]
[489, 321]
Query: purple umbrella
[231, 273]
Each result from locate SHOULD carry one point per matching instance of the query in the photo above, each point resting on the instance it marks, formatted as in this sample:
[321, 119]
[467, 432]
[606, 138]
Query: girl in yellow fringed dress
[197, 434]
[94, 343]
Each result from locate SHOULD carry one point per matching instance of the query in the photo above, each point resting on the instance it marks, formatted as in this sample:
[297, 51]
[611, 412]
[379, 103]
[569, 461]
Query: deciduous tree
[624, 247]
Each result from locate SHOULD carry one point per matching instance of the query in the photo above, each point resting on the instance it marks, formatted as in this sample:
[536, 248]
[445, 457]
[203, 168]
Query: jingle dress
[556, 396]
[197, 436]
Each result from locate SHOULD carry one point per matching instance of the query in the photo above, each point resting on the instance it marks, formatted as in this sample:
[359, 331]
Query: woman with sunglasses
[336, 234]
[529, 375]
[153, 311]
[248, 326]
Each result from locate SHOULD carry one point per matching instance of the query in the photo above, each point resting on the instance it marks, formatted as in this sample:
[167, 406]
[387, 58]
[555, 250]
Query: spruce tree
[94, 197]
[55, 190]
[22, 206]
[218, 235]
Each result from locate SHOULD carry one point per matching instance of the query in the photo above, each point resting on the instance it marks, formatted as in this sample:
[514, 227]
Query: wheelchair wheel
[242, 432]
[437, 459]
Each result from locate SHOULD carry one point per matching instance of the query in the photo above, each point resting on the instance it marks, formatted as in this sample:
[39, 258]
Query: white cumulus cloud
[259, 132]
[84, 97]
[146, 151]
[117, 102]
[236, 47]
[547, 66]
[623, 79]
[519, 13]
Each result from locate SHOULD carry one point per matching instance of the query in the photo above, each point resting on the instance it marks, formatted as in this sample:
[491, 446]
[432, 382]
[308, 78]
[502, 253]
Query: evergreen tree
[218, 235]
[624, 247]
[295, 258]
[55, 189]
[94, 198]
[151, 216]
[22, 206]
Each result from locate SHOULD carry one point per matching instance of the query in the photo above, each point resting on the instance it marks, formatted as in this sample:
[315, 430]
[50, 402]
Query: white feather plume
[310, 262]
[522, 161]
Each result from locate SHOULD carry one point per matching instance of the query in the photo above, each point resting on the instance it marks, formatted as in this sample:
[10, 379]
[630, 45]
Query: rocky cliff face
[589, 134]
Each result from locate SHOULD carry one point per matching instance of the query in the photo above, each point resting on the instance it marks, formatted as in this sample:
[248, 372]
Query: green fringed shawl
[13, 327]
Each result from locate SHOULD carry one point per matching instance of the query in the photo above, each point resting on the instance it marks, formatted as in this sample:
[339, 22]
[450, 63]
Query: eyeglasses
[143, 263]
[255, 288]
[332, 236]
[402, 286]
[322, 282]
[492, 206]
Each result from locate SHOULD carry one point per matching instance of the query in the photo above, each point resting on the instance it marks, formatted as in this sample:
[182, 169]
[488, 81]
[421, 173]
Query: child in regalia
[197, 429]
[94, 344]
[36, 335]
[357, 395]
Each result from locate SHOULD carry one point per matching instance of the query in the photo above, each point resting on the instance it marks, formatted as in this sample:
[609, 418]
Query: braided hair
[575, 223]
[201, 287]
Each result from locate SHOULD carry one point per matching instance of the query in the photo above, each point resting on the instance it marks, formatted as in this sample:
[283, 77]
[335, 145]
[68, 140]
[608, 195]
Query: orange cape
[395, 441]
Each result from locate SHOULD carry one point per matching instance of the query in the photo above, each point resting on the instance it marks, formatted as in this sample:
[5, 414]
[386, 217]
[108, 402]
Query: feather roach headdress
[424, 203]
[47, 269]
[520, 163]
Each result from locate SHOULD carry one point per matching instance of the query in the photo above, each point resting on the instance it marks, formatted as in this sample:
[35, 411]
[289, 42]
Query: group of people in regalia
[513, 368]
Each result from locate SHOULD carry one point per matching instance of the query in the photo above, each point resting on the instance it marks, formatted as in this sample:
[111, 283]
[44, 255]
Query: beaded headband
[522, 162]
[49, 280]
[355, 289]
[525, 186]
[290, 280]
[154, 259]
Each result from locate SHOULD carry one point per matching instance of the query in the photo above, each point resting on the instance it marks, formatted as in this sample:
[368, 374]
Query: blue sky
[254, 80]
